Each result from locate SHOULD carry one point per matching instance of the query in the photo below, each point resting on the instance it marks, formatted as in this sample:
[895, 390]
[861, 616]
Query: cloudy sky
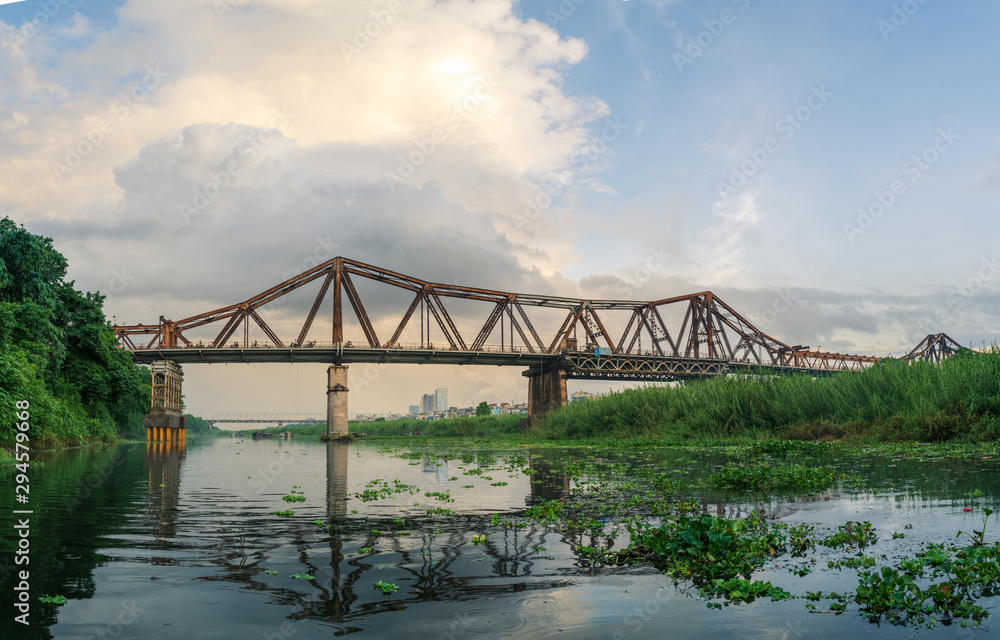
[832, 170]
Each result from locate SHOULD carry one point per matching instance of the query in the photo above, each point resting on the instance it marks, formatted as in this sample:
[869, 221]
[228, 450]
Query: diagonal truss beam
[709, 329]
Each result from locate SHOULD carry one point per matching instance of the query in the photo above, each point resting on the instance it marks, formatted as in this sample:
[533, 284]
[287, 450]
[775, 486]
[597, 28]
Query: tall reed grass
[893, 400]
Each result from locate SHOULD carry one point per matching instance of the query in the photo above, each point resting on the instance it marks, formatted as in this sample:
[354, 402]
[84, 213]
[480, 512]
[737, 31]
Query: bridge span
[690, 336]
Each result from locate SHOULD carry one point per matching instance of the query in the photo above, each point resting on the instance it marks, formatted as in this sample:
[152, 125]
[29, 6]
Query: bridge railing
[330, 345]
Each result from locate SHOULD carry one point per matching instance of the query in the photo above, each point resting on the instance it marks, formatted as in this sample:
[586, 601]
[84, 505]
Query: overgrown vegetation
[464, 426]
[58, 352]
[891, 401]
[766, 477]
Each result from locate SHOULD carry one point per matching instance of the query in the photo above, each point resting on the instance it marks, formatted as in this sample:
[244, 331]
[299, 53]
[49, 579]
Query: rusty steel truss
[934, 348]
[711, 337]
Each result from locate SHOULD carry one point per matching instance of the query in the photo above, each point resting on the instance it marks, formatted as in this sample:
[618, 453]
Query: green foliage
[709, 548]
[387, 588]
[853, 534]
[483, 408]
[739, 590]
[767, 477]
[545, 511]
[58, 352]
[892, 401]
[978, 536]
[197, 425]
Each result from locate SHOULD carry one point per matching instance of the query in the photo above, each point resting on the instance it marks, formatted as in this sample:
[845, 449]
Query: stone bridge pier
[546, 391]
[336, 402]
[164, 422]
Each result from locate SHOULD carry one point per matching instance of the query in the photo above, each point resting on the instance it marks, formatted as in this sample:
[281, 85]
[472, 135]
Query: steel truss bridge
[267, 418]
[689, 336]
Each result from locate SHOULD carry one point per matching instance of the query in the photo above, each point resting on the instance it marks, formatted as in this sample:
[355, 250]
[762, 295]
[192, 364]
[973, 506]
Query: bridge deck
[344, 355]
[578, 365]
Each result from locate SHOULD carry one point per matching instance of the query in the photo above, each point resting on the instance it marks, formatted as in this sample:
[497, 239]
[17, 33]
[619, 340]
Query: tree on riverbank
[58, 352]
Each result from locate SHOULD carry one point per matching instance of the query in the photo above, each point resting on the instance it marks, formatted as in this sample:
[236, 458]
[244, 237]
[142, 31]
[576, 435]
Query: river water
[153, 541]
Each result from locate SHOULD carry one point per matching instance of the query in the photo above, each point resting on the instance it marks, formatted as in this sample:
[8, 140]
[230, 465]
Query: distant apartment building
[428, 403]
[441, 399]
[583, 396]
[414, 410]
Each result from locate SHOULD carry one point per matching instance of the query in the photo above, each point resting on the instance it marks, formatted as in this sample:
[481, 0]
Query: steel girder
[709, 331]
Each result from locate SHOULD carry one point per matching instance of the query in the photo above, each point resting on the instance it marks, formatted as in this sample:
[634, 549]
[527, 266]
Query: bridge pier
[546, 392]
[336, 402]
[164, 422]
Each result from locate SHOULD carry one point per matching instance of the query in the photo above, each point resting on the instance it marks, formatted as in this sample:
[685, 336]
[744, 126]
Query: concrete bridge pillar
[336, 402]
[546, 392]
[164, 422]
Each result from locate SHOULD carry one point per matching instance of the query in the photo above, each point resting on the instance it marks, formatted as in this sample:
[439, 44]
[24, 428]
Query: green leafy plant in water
[364, 550]
[852, 533]
[270, 573]
[387, 588]
[303, 576]
[58, 600]
[287, 513]
[545, 511]
[706, 548]
[801, 538]
[766, 477]
[738, 590]
[444, 496]
[978, 537]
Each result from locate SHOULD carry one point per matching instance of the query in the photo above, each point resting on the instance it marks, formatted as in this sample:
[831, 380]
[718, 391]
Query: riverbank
[958, 399]
[894, 401]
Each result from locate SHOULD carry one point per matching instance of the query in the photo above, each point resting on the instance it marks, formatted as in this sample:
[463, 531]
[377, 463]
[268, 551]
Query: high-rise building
[427, 404]
[441, 399]
[414, 410]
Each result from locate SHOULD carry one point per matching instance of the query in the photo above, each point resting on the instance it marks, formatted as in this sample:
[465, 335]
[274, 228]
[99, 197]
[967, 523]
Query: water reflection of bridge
[164, 461]
[433, 559]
